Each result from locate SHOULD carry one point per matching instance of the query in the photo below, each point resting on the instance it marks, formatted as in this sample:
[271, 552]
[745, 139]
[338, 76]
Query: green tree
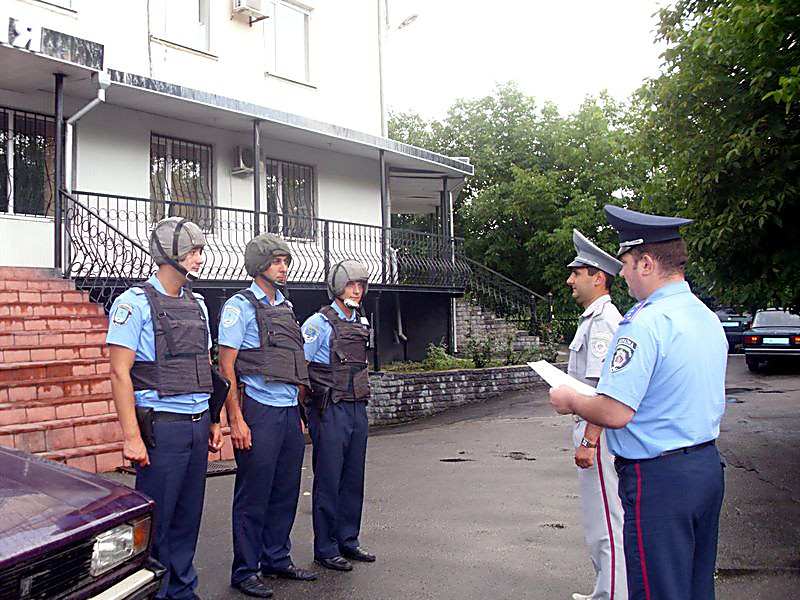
[721, 129]
[538, 174]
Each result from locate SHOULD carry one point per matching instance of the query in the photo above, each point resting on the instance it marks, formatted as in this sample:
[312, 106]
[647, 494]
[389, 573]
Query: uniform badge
[622, 354]
[310, 333]
[599, 344]
[122, 313]
[230, 315]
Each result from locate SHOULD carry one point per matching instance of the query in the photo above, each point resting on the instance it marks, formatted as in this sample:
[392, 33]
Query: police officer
[592, 275]
[260, 346]
[336, 340]
[664, 392]
[159, 344]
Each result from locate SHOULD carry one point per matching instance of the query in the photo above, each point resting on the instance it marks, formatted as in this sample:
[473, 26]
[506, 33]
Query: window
[183, 22]
[286, 39]
[180, 180]
[290, 199]
[27, 163]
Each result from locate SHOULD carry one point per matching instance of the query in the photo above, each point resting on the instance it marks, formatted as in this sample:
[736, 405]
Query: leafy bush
[480, 351]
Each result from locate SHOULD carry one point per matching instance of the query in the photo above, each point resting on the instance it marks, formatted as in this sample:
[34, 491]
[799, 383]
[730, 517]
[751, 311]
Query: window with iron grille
[290, 199]
[180, 180]
[27, 163]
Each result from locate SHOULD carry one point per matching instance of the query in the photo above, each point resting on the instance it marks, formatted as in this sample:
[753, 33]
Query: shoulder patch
[623, 354]
[122, 313]
[633, 311]
[230, 315]
[599, 344]
[310, 333]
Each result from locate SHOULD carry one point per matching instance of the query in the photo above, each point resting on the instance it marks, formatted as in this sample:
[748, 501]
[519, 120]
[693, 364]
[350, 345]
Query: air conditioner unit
[252, 8]
[243, 161]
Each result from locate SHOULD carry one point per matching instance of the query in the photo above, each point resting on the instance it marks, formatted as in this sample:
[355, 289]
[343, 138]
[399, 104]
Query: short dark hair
[609, 278]
[671, 255]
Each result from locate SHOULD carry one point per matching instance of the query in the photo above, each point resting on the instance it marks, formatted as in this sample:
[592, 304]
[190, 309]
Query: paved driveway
[481, 503]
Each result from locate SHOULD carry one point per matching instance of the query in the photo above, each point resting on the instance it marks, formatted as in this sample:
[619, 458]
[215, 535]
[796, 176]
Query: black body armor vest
[181, 342]
[280, 356]
[346, 375]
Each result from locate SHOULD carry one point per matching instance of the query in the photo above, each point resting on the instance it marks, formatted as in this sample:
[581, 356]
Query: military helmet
[173, 238]
[344, 271]
[260, 251]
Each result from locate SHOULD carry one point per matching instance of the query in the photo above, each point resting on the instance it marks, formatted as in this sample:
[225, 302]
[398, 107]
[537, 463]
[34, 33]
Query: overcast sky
[559, 50]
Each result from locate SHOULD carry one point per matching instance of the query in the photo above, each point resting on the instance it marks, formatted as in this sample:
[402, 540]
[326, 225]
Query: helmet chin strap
[190, 276]
[281, 287]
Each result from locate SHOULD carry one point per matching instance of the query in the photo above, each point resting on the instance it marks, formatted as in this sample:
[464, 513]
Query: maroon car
[67, 534]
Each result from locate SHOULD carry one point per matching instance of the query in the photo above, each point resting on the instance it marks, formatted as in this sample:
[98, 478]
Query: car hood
[43, 503]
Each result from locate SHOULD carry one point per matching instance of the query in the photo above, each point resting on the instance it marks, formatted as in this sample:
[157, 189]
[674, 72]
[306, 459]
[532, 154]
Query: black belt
[171, 416]
[685, 450]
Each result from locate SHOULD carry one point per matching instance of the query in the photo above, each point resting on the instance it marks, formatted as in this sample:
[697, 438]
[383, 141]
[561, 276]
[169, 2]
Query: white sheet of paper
[556, 377]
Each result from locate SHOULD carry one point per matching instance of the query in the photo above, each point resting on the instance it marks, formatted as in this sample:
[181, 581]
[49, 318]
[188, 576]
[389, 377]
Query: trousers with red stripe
[672, 507]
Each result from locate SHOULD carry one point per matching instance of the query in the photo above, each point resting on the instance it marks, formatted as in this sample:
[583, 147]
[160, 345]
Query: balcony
[106, 244]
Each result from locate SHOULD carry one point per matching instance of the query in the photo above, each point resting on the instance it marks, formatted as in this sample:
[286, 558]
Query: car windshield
[776, 318]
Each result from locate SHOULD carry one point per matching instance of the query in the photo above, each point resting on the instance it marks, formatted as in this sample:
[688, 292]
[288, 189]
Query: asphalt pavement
[481, 502]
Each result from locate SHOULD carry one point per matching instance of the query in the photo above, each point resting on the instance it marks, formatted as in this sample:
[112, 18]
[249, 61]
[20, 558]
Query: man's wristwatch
[587, 444]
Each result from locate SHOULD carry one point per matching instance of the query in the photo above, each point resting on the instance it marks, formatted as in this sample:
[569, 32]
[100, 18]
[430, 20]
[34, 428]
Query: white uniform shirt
[596, 328]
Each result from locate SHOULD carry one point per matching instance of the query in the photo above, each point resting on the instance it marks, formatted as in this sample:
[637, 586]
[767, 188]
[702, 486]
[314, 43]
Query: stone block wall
[401, 397]
[471, 317]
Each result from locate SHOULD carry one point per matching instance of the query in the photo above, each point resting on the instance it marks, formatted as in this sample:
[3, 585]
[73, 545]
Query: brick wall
[400, 397]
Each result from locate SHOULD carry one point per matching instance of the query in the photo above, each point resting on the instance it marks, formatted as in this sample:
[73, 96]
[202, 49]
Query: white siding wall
[26, 241]
[344, 84]
[113, 153]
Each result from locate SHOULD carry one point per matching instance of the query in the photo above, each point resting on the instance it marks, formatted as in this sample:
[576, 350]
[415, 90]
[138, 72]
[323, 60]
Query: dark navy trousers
[672, 507]
[176, 480]
[339, 455]
[266, 490]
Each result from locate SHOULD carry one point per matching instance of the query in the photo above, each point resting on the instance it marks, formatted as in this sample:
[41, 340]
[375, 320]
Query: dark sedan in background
[70, 535]
[774, 335]
[734, 325]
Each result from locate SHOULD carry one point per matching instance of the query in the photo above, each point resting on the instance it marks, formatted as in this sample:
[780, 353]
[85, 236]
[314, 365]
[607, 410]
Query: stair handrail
[517, 303]
[95, 214]
[82, 259]
[529, 292]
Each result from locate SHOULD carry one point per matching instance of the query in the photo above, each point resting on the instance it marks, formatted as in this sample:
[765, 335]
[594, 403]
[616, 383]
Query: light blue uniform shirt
[130, 325]
[317, 334]
[668, 365]
[238, 329]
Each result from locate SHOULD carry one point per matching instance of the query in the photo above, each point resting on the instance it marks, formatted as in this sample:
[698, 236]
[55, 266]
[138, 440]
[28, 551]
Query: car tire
[752, 363]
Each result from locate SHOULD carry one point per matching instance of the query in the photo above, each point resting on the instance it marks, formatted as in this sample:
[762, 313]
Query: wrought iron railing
[107, 237]
[505, 297]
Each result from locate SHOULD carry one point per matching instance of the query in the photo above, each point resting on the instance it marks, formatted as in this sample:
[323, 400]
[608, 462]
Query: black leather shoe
[253, 586]
[358, 553]
[335, 563]
[290, 572]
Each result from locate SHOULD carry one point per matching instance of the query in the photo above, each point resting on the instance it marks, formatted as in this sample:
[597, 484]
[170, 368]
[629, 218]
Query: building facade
[243, 115]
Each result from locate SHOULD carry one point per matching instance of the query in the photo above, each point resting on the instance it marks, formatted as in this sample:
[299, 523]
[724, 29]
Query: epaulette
[633, 311]
[198, 295]
[137, 290]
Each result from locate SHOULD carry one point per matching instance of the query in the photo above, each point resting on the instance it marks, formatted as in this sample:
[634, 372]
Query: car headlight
[117, 545]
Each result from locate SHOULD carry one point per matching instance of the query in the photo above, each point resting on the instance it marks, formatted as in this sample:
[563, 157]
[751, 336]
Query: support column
[256, 177]
[376, 319]
[444, 213]
[58, 182]
[386, 218]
